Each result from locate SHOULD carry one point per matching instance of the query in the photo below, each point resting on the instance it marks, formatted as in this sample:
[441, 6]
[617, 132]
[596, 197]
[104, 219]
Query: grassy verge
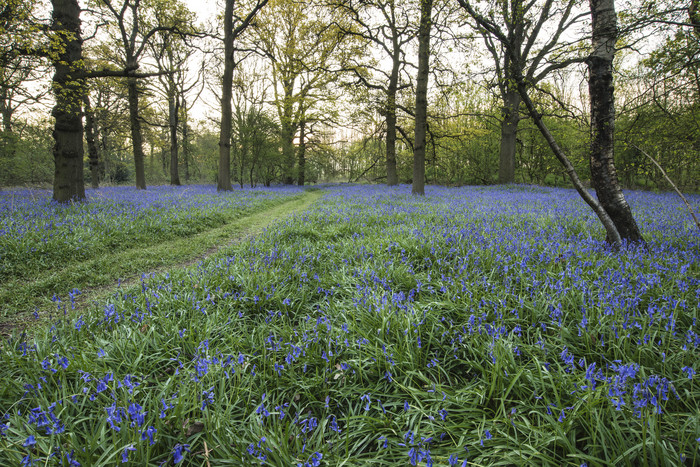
[92, 279]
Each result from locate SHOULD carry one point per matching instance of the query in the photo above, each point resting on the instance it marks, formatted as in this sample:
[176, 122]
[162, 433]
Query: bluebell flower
[71, 460]
[136, 414]
[165, 407]
[689, 371]
[207, 398]
[148, 433]
[125, 453]
[487, 436]
[30, 441]
[366, 398]
[177, 452]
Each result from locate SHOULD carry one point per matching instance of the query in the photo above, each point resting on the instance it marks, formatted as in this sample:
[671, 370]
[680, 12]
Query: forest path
[101, 277]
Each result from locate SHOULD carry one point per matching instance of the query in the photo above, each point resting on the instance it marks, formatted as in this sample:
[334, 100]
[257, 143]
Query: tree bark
[509, 130]
[173, 113]
[422, 98]
[67, 59]
[601, 91]
[289, 128]
[93, 155]
[224, 175]
[612, 234]
[6, 110]
[392, 177]
[136, 134]
[302, 153]
[185, 143]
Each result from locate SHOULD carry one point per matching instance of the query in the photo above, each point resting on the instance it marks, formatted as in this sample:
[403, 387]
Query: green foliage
[48, 245]
[26, 156]
[376, 325]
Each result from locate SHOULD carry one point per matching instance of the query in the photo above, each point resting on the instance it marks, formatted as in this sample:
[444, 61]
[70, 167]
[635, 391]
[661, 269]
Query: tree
[134, 32]
[90, 139]
[601, 45]
[256, 136]
[172, 54]
[600, 85]
[658, 99]
[388, 26]
[230, 34]
[418, 187]
[303, 44]
[534, 31]
[69, 88]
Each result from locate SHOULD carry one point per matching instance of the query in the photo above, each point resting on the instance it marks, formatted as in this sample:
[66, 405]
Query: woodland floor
[123, 268]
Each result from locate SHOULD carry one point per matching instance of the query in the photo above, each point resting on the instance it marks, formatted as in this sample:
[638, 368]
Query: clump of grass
[381, 329]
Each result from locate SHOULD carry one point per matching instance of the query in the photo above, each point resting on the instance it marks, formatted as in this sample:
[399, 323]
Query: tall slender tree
[604, 33]
[533, 30]
[223, 182]
[387, 25]
[303, 45]
[134, 32]
[601, 91]
[421, 130]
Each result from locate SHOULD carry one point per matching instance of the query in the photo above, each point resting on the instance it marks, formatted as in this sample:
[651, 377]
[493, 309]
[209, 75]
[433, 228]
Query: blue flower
[30, 441]
[125, 453]
[137, 414]
[207, 398]
[689, 371]
[148, 433]
[177, 452]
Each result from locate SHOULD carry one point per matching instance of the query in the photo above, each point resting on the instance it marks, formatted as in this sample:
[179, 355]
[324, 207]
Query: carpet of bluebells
[475, 326]
[37, 233]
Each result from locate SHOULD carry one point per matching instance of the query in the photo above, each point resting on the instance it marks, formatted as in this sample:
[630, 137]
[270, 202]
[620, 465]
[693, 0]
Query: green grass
[96, 276]
[375, 328]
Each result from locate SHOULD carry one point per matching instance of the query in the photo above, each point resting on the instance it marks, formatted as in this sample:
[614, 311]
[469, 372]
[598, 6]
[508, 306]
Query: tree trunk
[93, 155]
[6, 110]
[173, 113]
[185, 142]
[288, 155]
[422, 98]
[392, 177]
[136, 134]
[68, 181]
[612, 234]
[7, 135]
[224, 175]
[301, 152]
[509, 130]
[288, 132]
[600, 86]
